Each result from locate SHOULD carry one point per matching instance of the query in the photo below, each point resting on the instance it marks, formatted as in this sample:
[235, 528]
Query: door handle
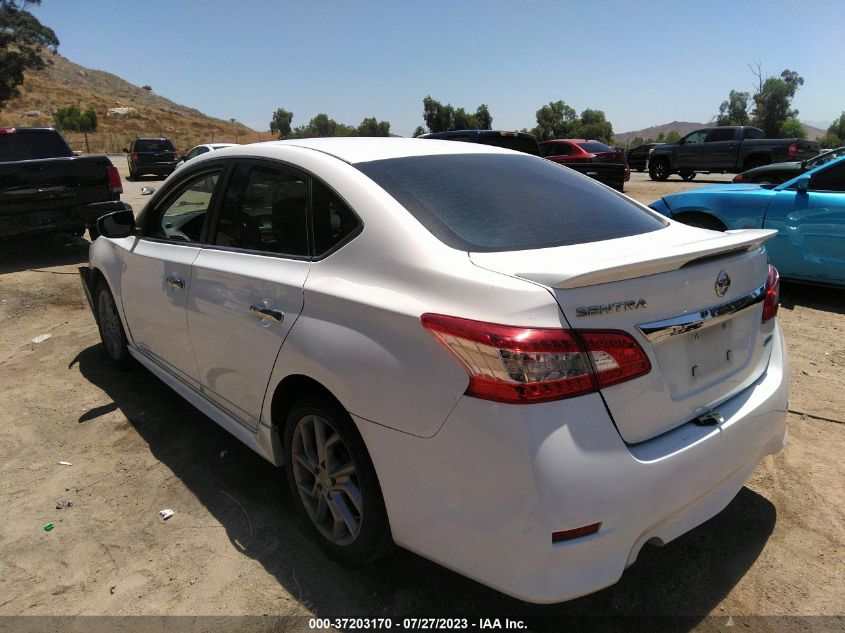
[175, 282]
[267, 313]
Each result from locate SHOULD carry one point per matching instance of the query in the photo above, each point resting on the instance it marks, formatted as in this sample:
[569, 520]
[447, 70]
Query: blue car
[808, 213]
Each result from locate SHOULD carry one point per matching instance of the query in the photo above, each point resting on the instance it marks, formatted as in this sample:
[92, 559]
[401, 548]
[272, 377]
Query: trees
[419, 131]
[280, 124]
[70, 119]
[555, 120]
[372, 127]
[773, 99]
[792, 128]
[734, 111]
[593, 124]
[22, 37]
[835, 133]
[443, 118]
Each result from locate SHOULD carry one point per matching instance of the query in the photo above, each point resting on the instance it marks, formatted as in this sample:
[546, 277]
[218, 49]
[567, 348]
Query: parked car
[447, 351]
[638, 156]
[202, 149]
[517, 141]
[155, 156]
[593, 158]
[781, 172]
[724, 149]
[808, 212]
[45, 187]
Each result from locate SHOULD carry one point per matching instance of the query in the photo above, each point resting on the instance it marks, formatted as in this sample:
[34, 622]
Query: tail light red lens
[793, 149]
[7, 130]
[522, 365]
[115, 183]
[772, 296]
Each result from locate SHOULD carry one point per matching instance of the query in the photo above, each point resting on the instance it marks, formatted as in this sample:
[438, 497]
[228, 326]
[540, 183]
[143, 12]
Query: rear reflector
[772, 297]
[520, 365]
[567, 535]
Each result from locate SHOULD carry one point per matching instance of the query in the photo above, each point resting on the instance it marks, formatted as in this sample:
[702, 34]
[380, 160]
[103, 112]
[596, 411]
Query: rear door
[247, 286]
[810, 243]
[720, 149]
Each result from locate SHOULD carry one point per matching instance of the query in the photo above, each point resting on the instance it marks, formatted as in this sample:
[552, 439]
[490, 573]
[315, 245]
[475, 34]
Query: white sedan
[475, 354]
[199, 150]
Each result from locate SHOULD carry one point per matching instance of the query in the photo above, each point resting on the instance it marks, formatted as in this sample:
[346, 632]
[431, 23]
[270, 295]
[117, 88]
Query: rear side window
[476, 202]
[22, 145]
[555, 149]
[717, 135]
[153, 145]
[751, 133]
[595, 147]
[333, 219]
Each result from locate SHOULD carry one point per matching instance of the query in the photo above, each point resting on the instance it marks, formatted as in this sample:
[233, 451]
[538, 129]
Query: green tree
[593, 125]
[792, 128]
[22, 38]
[443, 118]
[773, 99]
[734, 111]
[280, 124]
[70, 119]
[419, 131]
[555, 120]
[371, 127]
[835, 133]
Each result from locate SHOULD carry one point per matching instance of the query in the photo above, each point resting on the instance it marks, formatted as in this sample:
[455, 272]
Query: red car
[593, 158]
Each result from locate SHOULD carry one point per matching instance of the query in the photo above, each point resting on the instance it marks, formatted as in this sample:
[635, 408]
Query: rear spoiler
[643, 264]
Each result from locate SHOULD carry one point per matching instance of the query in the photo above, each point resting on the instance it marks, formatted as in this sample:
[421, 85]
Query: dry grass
[64, 83]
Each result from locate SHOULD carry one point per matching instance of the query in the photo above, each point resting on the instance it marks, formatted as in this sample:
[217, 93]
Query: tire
[133, 175]
[658, 169]
[111, 329]
[323, 499]
[687, 175]
[702, 221]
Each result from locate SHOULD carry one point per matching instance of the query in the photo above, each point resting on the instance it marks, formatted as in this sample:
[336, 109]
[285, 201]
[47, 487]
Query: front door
[247, 286]
[810, 243]
[157, 277]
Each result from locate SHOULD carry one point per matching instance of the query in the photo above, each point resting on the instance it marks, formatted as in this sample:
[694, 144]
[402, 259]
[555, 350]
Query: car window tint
[751, 133]
[830, 179]
[696, 137]
[154, 145]
[476, 202]
[595, 147]
[264, 209]
[333, 219]
[182, 216]
[555, 149]
[720, 135]
[35, 144]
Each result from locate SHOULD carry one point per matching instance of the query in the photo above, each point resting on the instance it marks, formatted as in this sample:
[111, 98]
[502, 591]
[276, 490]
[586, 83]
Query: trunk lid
[661, 288]
[53, 183]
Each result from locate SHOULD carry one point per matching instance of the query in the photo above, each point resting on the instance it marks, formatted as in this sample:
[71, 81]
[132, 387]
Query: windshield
[162, 145]
[493, 202]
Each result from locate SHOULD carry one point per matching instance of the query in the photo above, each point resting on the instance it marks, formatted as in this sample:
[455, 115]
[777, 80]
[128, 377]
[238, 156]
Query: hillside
[684, 127]
[63, 83]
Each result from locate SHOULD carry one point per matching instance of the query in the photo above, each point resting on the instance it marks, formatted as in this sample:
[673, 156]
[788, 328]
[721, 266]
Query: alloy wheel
[111, 330]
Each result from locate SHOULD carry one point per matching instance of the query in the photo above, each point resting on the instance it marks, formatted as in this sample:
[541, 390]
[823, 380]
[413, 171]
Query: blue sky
[643, 63]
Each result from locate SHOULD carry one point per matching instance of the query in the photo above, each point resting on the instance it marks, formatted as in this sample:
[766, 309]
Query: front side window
[265, 209]
[830, 179]
[181, 217]
[483, 203]
[696, 137]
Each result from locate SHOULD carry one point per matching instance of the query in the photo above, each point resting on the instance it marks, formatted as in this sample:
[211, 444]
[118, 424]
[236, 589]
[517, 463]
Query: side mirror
[125, 150]
[117, 224]
[802, 184]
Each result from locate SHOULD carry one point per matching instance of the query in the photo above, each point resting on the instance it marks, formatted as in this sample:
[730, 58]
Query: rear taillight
[114, 179]
[522, 365]
[739, 178]
[793, 149]
[7, 130]
[772, 296]
[176, 155]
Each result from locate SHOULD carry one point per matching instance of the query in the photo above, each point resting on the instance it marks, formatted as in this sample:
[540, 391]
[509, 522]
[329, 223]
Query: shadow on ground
[677, 584]
[41, 251]
[826, 298]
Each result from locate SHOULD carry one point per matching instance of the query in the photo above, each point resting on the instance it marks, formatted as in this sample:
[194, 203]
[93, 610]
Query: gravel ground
[234, 546]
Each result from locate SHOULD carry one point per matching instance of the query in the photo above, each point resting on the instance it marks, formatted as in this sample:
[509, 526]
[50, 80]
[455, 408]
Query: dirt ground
[235, 547]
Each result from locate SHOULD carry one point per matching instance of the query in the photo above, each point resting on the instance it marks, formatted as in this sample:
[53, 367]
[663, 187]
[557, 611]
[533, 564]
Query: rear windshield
[595, 147]
[154, 146]
[32, 145]
[516, 143]
[478, 202]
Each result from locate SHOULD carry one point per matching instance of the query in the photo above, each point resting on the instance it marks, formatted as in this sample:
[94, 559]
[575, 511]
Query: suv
[151, 156]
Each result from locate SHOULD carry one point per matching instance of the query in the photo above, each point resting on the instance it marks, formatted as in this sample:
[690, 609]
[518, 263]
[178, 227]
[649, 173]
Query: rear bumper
[33, 223]
[485, 494]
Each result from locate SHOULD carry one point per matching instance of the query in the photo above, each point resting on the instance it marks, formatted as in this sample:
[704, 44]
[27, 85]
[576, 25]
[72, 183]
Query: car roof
[365, 149]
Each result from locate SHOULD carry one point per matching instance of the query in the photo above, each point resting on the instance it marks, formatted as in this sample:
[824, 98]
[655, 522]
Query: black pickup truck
[45, 187]
[726, 149]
